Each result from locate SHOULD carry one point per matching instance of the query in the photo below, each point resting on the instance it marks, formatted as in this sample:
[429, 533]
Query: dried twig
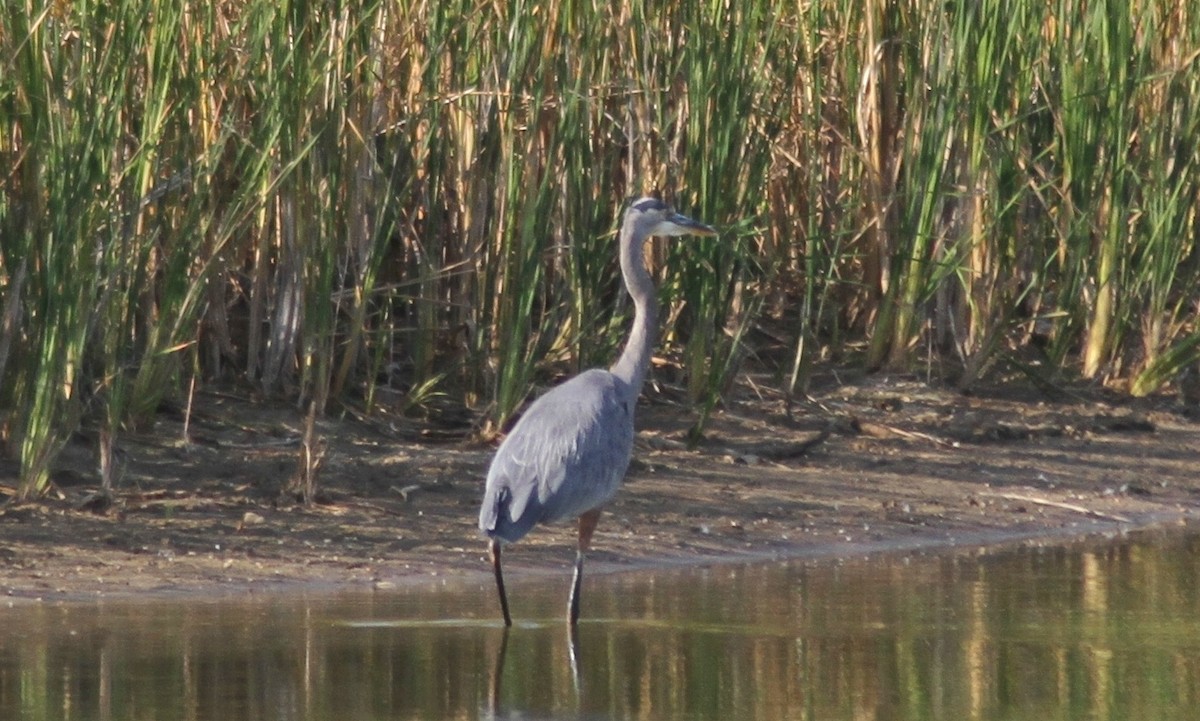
[882, 430]
[1064, 506]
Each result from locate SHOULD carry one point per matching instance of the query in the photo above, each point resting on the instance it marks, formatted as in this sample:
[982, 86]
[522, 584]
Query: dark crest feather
[647, 204]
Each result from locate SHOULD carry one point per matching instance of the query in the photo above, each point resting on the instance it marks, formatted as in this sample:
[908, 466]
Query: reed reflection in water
[1091, 631]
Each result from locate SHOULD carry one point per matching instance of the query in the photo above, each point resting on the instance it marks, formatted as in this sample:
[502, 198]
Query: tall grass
[382, 204]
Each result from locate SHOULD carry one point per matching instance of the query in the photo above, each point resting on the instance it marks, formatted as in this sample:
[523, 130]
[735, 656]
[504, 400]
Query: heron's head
[651, 216]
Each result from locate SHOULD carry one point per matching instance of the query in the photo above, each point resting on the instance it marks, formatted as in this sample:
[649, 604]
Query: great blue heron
[568, 454]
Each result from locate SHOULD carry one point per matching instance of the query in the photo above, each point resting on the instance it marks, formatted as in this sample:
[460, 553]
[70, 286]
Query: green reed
[380, 204]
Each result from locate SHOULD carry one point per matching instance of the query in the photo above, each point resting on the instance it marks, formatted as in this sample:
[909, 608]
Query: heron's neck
[635, 359]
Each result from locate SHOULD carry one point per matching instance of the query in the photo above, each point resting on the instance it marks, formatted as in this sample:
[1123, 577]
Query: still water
[1097, 631]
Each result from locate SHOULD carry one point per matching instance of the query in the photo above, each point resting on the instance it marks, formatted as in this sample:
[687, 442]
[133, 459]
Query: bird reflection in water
[497, 681]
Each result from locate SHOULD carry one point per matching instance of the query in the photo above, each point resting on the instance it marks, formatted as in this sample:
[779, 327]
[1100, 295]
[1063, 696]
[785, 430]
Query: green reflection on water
[1090, 631]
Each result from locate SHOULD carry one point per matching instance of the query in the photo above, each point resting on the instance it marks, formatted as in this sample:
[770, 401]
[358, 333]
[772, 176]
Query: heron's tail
[490, 512]
[495, 517]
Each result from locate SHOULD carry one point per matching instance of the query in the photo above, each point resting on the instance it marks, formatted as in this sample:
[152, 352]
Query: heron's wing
[566, 455]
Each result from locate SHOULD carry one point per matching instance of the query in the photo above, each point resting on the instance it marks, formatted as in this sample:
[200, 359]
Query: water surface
[1091, 631]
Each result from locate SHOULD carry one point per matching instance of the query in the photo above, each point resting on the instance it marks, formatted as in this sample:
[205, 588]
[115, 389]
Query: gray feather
[567, 455]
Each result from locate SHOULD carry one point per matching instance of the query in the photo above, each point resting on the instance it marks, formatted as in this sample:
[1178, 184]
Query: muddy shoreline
[887, 465]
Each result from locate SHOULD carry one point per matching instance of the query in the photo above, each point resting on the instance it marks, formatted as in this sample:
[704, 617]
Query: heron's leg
[500, 580]
[587, 526]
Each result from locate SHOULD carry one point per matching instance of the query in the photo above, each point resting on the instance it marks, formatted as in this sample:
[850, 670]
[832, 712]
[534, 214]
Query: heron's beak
[686, 226]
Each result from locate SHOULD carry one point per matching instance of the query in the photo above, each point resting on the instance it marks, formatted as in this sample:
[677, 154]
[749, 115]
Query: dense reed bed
[380, 204]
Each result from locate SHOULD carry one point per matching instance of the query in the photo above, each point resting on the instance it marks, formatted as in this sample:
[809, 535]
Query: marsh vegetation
[409, 207]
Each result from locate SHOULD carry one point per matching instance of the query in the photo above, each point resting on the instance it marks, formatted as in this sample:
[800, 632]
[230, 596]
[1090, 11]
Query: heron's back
[565, 456]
